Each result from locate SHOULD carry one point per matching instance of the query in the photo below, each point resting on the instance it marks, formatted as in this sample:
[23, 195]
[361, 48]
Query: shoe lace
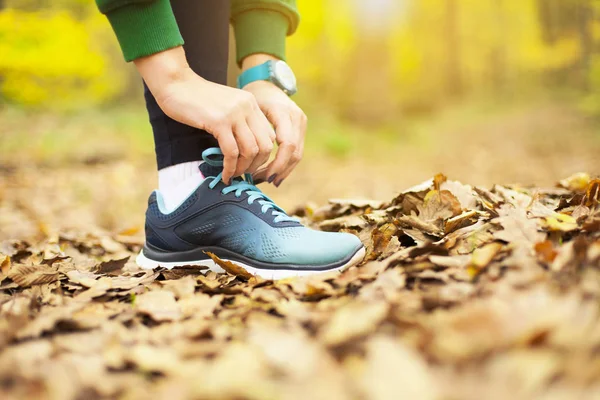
[214, 157]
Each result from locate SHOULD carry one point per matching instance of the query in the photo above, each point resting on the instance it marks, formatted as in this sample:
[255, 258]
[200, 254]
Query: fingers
[287, 146]
[262, 124]
[264, 136]
[252, 134]
[230, 150]
[248, 148]
[299, 126]
[291, 129]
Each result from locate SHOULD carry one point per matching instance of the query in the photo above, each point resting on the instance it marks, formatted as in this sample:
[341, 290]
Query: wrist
[265, 67]
[256, 59]
[163, 69]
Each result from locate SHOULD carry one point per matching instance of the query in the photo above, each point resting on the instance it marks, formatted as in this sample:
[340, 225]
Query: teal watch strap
[260, 72]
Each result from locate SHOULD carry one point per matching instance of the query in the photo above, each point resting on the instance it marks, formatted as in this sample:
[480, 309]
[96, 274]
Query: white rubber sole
[274, 274]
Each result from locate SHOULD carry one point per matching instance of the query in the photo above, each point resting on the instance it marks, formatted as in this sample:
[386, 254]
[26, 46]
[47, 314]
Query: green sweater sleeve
[261, 26]
[145, 27]
[142, 27]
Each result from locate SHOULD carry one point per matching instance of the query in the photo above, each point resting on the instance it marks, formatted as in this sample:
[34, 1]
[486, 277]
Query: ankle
[177, 182]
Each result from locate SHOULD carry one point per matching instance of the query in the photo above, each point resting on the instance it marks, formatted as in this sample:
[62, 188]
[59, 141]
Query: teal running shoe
[239, 223]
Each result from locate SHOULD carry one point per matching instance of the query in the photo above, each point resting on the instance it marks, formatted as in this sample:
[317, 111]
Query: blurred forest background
[487, 91]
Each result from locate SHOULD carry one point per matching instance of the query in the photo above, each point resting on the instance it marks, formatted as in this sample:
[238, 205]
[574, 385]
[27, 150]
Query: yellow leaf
[4, 263]
[577, 182]
[560, 222]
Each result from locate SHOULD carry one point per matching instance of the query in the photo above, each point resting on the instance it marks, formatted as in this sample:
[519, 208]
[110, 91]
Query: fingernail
[272, 178]
[278, 183]
[259, 181]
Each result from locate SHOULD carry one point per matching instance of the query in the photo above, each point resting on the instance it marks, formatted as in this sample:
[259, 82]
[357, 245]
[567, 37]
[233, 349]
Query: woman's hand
[287, 118]
[232, 116]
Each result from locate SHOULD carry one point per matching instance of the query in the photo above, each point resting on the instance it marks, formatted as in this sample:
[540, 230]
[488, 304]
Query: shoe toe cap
[323, 248]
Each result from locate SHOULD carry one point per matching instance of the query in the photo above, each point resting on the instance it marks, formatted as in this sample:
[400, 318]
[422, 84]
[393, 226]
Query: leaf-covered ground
[466, 293]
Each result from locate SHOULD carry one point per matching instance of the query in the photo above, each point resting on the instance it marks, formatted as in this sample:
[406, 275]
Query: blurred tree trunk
[454, 81]
[585, 18]
[498, 58]
[547, 12]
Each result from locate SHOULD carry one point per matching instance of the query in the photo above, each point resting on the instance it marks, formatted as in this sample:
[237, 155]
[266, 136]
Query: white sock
[177, 182]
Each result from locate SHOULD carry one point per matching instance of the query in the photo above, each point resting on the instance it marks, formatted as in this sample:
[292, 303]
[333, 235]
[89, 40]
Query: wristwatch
[276, 71]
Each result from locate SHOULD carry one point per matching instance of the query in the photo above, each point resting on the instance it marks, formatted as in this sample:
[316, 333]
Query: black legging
[204, 25]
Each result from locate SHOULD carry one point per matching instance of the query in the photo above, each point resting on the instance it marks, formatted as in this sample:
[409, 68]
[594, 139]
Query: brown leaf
[4, 263]
[346, 222]
[126, 281]
[386, 286]
[464, 194]
[108, 267]
[518, 228]
[513, 197]
[460, 221]
[97, 289]
[352, 321]
[28, 275]
[182, 287]
[84, 278]
[551, 220]
[357, 203]
[545, 251]
[438, 180]
[413, 221]
[380, 238]
[48, 319]
[395, 371]
[439, 206]
[14, 248]
[592, 194]
[154, 359]
[230, 267]
[484, 255]
[160, 305]
[439, 215]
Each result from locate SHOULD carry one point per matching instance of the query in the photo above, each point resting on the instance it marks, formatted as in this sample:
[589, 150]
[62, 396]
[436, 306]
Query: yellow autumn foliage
[50, 58]
[346, 54]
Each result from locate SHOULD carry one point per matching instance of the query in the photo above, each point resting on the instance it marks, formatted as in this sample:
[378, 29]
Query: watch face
[284, 74]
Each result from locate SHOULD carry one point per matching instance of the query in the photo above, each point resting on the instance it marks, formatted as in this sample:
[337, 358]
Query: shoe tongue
[209, 170]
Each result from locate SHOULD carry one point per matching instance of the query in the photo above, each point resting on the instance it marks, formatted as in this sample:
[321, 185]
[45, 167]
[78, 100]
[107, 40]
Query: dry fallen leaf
[4, 263]
[517, 228]
[545, 251]
[28, 275]
[111, 266]
[380, 238]
[395, 371]
[230, 267]
[439, 206]
[160, 305]
[353, 321]
[412, 323]
[577, 182]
